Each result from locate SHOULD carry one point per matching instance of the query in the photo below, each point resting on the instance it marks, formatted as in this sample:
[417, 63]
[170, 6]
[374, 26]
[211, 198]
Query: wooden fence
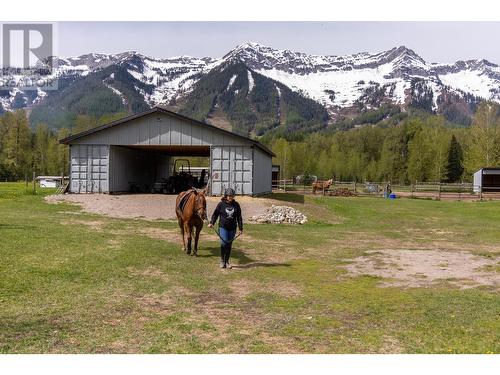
[423, 190]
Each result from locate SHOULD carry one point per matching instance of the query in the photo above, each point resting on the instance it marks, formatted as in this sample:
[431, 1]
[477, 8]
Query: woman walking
[229, 213]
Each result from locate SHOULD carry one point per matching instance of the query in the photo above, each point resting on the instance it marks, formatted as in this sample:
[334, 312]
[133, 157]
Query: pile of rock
[280, 214]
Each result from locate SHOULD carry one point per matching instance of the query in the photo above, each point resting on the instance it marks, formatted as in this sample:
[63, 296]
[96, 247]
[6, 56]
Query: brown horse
[322, 185]
[191, 211]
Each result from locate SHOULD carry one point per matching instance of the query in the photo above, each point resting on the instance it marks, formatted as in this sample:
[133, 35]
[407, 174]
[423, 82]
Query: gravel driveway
[150, 206]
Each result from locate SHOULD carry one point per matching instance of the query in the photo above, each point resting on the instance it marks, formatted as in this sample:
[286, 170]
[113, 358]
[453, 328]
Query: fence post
[411, 189]
[459, 191]
[355, 191]
[34, 182]
[481, 192]
[439, 190]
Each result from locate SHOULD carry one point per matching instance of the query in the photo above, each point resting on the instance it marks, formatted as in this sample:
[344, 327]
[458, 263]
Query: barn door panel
[219, 169]
[231, 166]
[89, 169]
[241, 173]
[97, 178]
[79, 168]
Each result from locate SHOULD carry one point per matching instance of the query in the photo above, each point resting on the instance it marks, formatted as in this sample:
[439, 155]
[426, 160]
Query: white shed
[487, 180]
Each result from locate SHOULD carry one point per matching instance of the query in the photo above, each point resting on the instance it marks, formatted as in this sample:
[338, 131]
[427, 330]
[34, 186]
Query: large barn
[140, 150]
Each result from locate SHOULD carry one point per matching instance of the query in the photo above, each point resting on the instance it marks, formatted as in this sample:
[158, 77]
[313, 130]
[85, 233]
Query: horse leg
[196, 238]
[187, 232]
[181, 225]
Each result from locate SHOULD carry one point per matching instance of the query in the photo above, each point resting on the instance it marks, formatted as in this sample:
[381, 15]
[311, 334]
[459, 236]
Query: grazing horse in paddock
[191, 211]
[322, 185]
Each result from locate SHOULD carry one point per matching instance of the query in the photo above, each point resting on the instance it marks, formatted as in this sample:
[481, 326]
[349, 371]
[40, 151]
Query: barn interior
[158, 168]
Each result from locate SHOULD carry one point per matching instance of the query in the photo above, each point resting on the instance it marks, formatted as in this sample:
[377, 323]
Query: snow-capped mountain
[169, 78]
[339, 83]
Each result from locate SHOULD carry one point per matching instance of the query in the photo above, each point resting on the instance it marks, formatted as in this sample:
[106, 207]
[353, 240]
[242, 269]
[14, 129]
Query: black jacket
[230, 215]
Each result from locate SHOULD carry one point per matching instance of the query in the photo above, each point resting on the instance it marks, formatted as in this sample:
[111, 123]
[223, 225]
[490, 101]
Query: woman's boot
[222, 256]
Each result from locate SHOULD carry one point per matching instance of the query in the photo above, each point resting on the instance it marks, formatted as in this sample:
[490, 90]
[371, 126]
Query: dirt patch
[150, 206]
[114, 243]
[366, 242]
[422, 268]
[149, 272]
[243, 319]
[244, 287]
[174, 235]
[391, 345]
[92, 224]
[157, 302]
[169, 235]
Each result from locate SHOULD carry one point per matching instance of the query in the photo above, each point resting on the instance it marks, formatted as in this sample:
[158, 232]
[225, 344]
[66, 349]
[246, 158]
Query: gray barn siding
[262, 172]
[158, 129]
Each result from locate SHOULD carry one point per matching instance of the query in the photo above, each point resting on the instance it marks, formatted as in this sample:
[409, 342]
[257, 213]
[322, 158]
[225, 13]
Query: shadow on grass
[244, 260]
[288, 197]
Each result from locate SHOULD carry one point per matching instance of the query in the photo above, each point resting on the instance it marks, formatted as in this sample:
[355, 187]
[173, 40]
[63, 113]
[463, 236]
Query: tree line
[24, 151]
[420, 147]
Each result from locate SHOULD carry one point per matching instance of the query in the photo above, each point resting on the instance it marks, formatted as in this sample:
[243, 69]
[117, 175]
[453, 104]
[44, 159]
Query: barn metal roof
[159, 109]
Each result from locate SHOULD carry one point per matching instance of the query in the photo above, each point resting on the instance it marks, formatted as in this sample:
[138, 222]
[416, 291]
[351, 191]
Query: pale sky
[433, 41]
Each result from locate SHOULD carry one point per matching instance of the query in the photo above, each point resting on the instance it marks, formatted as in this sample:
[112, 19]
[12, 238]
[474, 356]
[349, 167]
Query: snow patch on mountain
[348, 85]
[474, 82]
[117, 92]
[170, 77]
[231, 81]
[251, 81]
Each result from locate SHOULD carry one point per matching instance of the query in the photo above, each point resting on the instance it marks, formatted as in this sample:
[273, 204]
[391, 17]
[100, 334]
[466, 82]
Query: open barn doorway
[158, 169]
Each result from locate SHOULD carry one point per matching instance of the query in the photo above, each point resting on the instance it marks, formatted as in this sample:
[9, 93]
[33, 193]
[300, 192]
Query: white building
[487, 180]
[51, 181]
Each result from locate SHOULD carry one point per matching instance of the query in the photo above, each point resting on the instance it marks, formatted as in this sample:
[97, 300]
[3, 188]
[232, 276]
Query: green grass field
[72, 282]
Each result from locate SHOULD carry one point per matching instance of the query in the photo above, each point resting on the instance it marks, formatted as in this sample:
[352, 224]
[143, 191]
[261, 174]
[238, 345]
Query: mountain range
[254, 88]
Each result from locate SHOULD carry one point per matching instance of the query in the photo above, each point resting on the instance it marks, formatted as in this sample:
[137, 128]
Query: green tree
[439, 140]
[419, 157]
[16, 144]
[40, 149]
[283, 153]
[454, 166]
[484, 146]
[84, 122]
[394, 156]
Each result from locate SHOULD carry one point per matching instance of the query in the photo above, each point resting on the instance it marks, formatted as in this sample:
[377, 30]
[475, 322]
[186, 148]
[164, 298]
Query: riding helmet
[229, 192]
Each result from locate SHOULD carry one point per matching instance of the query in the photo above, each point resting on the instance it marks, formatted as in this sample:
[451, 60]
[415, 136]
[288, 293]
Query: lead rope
[218, 234]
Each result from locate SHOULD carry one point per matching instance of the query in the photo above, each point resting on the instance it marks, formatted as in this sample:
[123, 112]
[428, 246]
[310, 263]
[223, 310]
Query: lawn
[73, 282]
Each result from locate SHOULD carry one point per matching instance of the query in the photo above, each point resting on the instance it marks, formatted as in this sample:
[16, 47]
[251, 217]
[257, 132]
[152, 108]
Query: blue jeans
[227, 237]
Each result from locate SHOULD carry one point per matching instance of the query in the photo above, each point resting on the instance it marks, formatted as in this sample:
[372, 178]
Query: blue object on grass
[392, 196]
